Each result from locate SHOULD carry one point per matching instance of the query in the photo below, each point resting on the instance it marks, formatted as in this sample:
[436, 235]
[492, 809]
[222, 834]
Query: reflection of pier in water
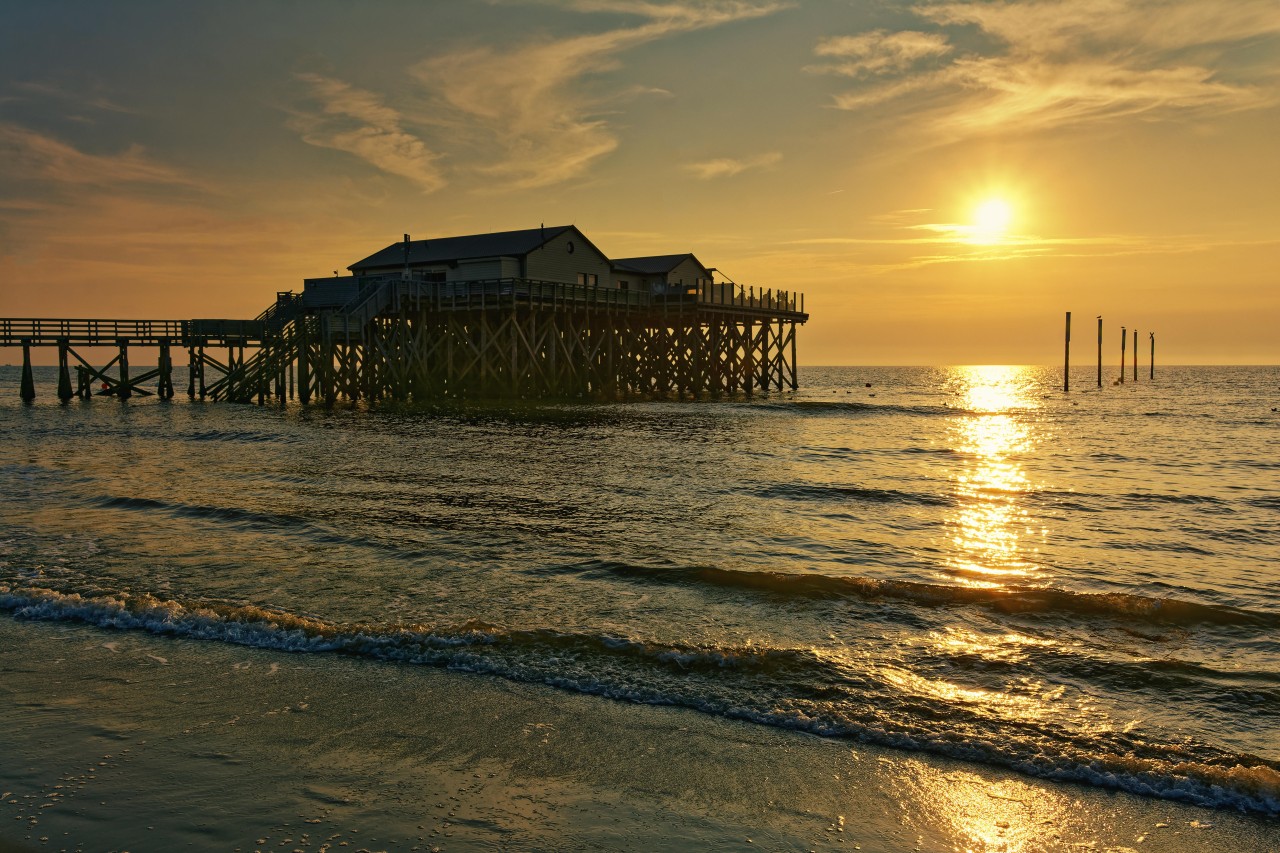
[390, 338]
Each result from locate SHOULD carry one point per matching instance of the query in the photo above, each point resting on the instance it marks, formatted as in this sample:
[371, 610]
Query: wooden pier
[72, 336]
[398, 338]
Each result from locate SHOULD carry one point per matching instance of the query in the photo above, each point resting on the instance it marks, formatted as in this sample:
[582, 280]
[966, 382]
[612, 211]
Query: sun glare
[991, 220]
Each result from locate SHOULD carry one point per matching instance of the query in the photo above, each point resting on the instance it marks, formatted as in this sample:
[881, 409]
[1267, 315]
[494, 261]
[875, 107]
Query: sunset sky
[942, 180]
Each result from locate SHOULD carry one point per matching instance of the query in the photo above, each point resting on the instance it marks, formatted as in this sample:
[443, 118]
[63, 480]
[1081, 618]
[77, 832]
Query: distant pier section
[518, 314]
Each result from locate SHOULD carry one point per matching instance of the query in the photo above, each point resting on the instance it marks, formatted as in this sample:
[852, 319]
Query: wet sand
[126, 741]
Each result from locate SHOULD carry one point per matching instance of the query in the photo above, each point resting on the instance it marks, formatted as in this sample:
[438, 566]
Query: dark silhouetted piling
[64, 371]
[191, 373]
[1066, 357]
[125, 390]
[164, 387]
[28, 390]
[1124, 339]
[1099, 351]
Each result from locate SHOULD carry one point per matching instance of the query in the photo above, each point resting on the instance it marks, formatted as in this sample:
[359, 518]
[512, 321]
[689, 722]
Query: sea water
[960, 561]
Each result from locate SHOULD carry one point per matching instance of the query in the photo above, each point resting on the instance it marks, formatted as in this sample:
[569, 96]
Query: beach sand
[127, 741]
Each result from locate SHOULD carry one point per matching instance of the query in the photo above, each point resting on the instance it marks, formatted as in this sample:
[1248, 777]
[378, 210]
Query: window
[588, 278]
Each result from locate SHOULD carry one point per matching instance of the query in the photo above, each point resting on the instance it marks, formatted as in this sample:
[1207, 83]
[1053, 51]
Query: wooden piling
[1066, 357]
[1099, 350]
[1124, 339]
[795, 365]
[125, 391]
[1135, 355]
[304, 361]
[201, 390]
[1153, 355]
[64, 371]
[28, 389]
[164, 387]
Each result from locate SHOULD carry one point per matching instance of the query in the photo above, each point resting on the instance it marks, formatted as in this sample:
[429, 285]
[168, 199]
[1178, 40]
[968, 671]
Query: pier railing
[45, 332]
[730, 294]
[371, 296]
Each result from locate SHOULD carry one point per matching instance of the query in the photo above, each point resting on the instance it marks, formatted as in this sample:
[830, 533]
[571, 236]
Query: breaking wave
[791, 688]
[1124, 607]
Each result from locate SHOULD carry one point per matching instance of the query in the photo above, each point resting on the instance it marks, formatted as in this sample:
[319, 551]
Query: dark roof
[442, 250]
[652, 264]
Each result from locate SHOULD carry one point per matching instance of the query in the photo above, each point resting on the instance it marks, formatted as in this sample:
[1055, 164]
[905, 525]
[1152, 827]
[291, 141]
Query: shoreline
[155, 740]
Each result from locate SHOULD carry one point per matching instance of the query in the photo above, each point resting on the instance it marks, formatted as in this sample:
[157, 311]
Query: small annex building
[661, 273]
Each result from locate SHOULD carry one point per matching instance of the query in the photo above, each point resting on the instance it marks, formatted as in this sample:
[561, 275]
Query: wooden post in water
[164, 388]
[304, 364]
[1066, 358]
[64, 371]
[125, 391]
[795, 364]
[200, 386]
[28, 390]
[1135, 355]
[1124, 337]
[1153, 355]
[191, 372]
[1099, 350]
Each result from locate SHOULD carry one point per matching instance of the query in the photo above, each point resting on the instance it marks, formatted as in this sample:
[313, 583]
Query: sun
[991, 220]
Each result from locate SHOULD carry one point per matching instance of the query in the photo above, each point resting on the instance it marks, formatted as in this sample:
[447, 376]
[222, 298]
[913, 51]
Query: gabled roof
[442, 250]
[653, 264]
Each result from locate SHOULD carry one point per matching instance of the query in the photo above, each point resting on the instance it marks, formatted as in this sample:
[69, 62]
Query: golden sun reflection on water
[990, 519]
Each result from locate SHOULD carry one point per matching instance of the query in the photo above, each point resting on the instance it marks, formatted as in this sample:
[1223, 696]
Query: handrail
[747, 297]
[46, 331]
[279, 313]
[386, 290]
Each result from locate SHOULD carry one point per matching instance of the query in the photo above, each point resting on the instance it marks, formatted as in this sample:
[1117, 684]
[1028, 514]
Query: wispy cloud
[359, 122]
[27, 155]
[529, 102]
[878, 52]
[79, 99]
[726, 167]
[904, 240]
[687, 14]
[1047, 64]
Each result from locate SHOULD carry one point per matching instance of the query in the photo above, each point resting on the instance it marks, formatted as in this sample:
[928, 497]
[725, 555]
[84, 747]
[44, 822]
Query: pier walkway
[48, 333]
